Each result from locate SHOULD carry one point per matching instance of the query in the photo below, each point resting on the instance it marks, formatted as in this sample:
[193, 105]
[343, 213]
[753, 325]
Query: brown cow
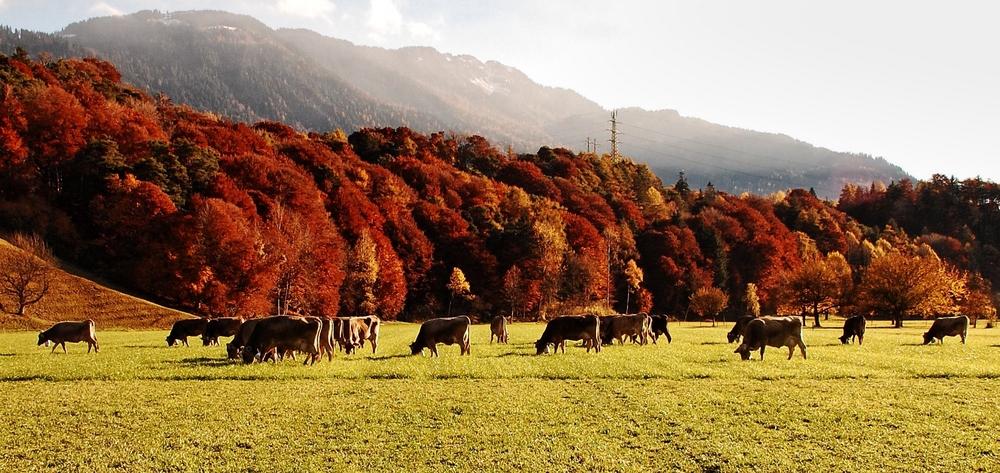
[947, 327]
[570, 327]
[635, 326]
[221, 327]
[658, 326]
[739, 328]
[355, 330]
[854, 327]
[772, 331]
[327, 337]
[281, 333]
[183, 329]
[498, 328]
[447, 330]
[72, 332]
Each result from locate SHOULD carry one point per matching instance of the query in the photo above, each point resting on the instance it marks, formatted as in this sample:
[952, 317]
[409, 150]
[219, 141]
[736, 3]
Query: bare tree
[25, 272]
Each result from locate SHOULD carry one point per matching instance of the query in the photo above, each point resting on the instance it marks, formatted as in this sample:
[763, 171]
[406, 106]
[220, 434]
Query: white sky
[915, 82]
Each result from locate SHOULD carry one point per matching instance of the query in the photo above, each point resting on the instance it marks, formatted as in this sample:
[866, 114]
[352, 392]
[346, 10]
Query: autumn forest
[217, 217]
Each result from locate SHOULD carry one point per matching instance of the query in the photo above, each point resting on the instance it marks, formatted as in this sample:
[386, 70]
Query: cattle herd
[275, 337]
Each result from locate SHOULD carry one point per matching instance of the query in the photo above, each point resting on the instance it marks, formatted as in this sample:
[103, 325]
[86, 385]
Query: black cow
[570, 327]
[854, 327]
[183, 329]
[739, 328]
[658, 326]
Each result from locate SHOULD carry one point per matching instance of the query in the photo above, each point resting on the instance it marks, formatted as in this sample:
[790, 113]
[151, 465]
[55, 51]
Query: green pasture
[889, 405]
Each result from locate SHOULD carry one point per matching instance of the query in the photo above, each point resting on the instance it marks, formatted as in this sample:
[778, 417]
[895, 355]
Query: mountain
[238, 67]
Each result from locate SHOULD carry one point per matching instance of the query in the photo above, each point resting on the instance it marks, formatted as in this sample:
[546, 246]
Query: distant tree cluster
[226, 218]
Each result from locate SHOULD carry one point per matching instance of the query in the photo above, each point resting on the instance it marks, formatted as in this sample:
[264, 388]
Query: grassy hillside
[76, 298]
[889, 405]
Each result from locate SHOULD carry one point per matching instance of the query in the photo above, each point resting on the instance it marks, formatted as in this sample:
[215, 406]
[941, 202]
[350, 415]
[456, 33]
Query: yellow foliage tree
[709, 302]
[898, 284]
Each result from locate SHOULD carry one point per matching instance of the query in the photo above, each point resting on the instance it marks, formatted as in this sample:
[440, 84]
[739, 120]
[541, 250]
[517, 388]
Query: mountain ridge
[238, 67]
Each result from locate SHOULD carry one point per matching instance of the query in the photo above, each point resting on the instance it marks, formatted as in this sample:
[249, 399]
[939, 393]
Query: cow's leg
[64, 347]
[54, 345]
[861, 339]
[374, 346]
[762, 347]
[791, 351]
[434, 350]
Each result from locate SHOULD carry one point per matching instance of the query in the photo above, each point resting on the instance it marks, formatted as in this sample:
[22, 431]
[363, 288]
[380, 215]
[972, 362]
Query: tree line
[224, 218]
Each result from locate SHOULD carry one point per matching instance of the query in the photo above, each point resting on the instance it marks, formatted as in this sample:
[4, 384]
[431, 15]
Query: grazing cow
[947, 327]
[658, 326]
[282, 333]
[772, 331]
[739, 329]
[447, 330]
[498, 328]
[239, 340]
[72, 332]
[570, 327]
[183, 329]
[355, 330]
[635, 326]
[854, 327]
[221, 327]
[605, 329]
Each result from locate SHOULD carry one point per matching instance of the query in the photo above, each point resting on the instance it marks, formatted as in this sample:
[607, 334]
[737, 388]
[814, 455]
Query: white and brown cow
[447, 330]
[72, 332]
[355, 330]
[772, 331]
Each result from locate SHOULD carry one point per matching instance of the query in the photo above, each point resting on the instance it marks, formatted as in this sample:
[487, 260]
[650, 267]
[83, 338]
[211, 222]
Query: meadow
[692, 405]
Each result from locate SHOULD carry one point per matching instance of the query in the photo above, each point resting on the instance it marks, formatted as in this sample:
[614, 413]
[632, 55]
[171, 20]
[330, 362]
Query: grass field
[889, 405]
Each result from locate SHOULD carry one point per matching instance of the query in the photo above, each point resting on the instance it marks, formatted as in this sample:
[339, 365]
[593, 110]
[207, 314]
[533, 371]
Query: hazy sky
[915, 82]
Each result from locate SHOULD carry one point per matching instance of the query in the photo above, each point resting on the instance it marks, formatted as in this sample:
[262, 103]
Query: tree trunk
[816, 316]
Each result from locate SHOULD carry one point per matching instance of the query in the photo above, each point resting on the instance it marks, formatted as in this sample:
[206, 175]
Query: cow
[328, 337]
[355, 330]
[239, 340]
[183, 329]
[739, 328]
[447, 330]
[635, 326]
[658, 326]
[72, 332]
[854, 327]
[221, 327]
[570, 327]
[606, 337]
[947, 327]
[498, 329]
[772, 331]
[282, 333]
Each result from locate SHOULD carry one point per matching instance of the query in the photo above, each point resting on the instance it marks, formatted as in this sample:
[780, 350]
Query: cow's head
[928, 338]
[171, 341]
[415, 348]
[541, 347]
[205, 341]
[42, 339]
[249, 354]
[845, 339]
[744, 351]
[232, 351]
[732, 336]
